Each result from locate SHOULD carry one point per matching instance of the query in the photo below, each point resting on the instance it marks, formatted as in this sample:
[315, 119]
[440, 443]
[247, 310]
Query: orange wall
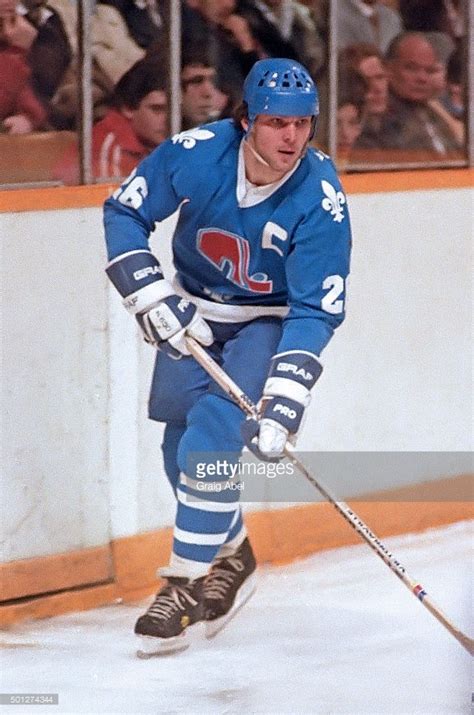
[279, 536]
[66, 197]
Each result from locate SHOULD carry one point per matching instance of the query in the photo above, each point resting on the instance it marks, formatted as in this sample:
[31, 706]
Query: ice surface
[335, 633]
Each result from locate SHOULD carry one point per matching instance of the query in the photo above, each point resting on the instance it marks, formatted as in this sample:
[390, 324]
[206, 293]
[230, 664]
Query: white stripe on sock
[191, 537]
[204, 504]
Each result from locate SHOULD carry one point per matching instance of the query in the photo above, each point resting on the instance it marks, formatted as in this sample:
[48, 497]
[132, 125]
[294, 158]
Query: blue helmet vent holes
[280, 87]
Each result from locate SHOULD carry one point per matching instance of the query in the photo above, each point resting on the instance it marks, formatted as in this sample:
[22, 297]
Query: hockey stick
[247, 406]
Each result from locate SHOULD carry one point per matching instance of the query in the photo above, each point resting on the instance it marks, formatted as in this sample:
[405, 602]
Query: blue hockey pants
[200, 419]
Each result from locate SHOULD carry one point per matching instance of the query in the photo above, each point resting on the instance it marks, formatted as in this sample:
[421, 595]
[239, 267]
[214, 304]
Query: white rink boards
[76, 375]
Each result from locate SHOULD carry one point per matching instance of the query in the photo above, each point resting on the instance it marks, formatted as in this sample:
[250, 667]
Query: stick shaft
[246, 404]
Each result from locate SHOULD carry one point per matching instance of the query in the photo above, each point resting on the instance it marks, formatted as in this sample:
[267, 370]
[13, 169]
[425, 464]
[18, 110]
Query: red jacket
[16, 94]
[116, 150]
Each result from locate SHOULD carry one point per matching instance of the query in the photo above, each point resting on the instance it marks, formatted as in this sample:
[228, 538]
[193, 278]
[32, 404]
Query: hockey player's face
[280, 141]
[150, 119]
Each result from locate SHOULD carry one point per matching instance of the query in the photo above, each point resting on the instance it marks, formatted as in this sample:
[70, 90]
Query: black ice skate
[164, 628]
[229, 584]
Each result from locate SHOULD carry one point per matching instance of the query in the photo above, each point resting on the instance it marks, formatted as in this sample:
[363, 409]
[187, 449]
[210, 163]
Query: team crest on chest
[230, 254]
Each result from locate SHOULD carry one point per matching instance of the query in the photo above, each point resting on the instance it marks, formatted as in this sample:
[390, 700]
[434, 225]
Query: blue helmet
[280, 87]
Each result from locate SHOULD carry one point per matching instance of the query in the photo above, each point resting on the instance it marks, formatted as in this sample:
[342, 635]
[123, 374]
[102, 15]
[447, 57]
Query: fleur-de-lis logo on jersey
[321, 155]
[333, 202]
[190, 138]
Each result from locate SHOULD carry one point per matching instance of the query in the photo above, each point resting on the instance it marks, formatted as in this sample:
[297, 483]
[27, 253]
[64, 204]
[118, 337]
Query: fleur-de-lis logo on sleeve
[333, 202]
[189, 138]
[321, 155]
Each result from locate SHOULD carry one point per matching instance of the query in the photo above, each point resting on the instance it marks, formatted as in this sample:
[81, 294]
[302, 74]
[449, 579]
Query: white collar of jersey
[248, 194]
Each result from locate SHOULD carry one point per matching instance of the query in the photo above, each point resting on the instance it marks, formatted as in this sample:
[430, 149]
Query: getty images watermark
[373, 476]
[223, 472]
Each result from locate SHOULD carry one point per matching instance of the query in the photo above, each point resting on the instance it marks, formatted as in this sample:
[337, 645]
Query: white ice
[335, 633]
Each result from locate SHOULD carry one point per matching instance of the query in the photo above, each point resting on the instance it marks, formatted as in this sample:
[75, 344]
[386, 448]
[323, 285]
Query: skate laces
[168, 602]
[218, 581]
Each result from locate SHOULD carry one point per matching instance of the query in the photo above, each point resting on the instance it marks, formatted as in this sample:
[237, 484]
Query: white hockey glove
[164, 317]
[286, 394]
[167, 324]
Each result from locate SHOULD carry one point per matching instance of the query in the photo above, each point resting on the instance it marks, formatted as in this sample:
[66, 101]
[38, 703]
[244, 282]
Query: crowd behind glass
[401, 76]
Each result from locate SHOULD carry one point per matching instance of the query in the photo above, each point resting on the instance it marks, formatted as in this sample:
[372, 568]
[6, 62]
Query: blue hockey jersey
[281, 249]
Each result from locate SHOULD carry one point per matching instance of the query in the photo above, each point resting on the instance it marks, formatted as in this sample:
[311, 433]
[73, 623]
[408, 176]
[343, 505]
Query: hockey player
[261, 251]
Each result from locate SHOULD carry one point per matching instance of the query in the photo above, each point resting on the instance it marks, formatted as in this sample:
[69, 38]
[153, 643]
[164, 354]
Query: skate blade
[151, 646]
[212, 628]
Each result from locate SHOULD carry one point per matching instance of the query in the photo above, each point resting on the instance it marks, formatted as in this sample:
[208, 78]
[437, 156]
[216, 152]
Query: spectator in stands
[352, 90]
[432, 18]
[438, 104]
[296, 24]
[136, 123]
[453, 96]
[201, 99]
[424, 15]
[232, 48]
[21, 111]
[143, 19]
[268, 35]
[237, 34]
[456, 10]
[38, 31]
[50, 53]
[368, 62]
[409, 122]
[366, 21]
[114, 52]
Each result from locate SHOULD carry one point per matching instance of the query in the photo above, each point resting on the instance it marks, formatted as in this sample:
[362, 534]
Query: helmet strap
[258, 157]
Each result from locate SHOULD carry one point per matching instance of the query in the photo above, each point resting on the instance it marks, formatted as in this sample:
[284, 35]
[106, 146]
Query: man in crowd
[135, 124]
[410, 122]
[236, 34]
[296, 24]
[369, 21]
[201, 99]
[367, 61]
